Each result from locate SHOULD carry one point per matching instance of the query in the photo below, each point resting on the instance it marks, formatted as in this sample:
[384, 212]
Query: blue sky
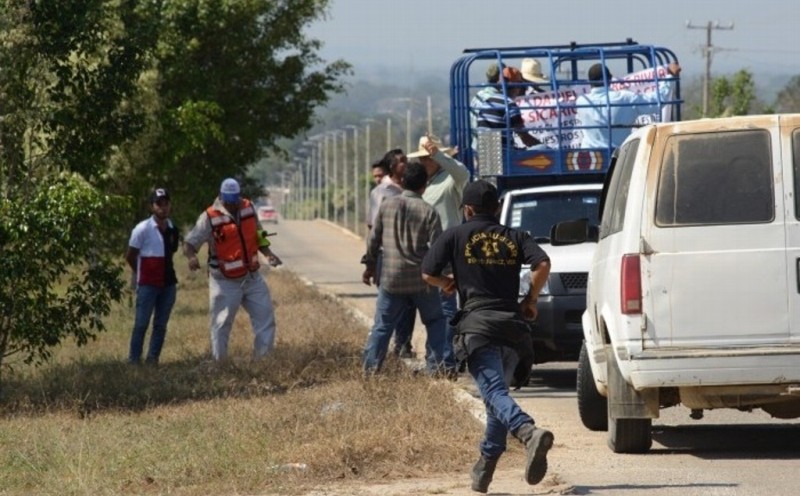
[418, 35]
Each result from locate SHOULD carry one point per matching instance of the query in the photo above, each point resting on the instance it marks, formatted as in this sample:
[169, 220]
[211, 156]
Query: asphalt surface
[725, 453]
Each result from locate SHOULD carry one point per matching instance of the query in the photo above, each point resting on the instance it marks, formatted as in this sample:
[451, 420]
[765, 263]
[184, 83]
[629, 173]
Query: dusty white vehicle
[694, 289]
[557, 332]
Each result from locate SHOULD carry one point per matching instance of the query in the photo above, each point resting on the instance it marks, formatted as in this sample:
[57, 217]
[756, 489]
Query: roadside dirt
[508, 478]
[726, 453]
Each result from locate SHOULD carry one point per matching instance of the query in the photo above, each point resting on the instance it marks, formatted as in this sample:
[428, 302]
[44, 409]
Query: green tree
[230, 78]
[56, 281]
[732, 95]
[63, 84]
[102, 99]
[788, 99]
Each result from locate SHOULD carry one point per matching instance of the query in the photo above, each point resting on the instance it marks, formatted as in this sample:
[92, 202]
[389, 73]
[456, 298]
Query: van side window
[796, 159]
[716, 178]
[617, 196]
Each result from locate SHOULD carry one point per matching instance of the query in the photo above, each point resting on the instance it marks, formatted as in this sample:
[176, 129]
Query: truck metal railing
[550, 115]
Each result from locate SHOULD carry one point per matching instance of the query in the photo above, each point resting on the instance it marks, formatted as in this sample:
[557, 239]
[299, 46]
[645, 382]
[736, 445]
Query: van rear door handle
[646, 249]
[797, 272]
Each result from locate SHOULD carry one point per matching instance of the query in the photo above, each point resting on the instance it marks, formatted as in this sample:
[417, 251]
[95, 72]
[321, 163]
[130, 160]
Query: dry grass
[90, 424]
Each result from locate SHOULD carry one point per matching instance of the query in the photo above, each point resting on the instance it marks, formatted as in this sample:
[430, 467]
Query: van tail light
[631, 285]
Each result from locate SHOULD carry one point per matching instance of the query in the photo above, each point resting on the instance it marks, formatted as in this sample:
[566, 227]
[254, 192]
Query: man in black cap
[608, 116]
[492, 332]
[152, 244]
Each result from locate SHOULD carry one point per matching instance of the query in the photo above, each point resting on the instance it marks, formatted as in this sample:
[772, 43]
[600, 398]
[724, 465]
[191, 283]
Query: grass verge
[88, 423]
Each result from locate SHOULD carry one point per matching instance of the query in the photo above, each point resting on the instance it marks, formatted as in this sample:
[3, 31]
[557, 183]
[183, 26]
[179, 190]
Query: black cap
[159, 194]
[596, 72]
[480, 193]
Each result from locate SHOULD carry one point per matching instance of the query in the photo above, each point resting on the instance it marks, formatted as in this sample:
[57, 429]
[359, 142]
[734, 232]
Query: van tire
[630, 435]
[592, 406]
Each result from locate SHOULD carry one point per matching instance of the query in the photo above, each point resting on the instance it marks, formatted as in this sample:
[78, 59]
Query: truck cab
[557, 179]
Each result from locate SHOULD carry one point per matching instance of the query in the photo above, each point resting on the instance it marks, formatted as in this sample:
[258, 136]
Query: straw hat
[531, 71]
[422, 152]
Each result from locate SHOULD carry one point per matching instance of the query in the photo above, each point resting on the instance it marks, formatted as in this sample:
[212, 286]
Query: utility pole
[430, 116]
[708, 51]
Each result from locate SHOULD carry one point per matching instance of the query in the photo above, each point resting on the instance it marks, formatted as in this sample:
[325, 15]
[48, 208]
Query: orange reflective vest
[236, 246]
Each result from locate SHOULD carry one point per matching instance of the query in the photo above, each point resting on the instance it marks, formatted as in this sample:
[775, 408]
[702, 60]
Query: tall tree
[57, 274]
[100, 100]
[230, 78]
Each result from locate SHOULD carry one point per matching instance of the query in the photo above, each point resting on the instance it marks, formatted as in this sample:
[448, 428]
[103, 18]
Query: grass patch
[88, 423]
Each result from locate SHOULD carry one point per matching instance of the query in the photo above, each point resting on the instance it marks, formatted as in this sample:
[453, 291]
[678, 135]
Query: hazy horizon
[416, 37]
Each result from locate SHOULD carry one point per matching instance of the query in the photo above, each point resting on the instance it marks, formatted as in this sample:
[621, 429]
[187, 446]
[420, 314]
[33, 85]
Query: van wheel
[630, 435]
[592, 406]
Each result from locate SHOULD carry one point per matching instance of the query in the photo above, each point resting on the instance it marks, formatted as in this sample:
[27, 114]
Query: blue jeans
[158, 302]
[449, 307]
[388, 309]
[404, 330]
[491, 366]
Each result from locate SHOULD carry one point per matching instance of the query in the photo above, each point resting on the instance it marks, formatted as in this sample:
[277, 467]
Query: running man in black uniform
[492, 332]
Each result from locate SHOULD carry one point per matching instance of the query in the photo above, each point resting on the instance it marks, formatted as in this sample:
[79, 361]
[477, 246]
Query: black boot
[482, 473]
[537, 442]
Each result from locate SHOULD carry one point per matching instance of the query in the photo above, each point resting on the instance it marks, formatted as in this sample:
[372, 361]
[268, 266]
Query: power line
[708, 51]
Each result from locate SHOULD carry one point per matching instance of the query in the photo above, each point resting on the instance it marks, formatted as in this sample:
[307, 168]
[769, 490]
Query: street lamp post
[335, 178]
[311, 146]
[356, 176]
[388, 133]
[319, 177]
[344, 179]
[301, 188]
[367, 159]
[286, 200]
[315, 175]
[408, 130]
[326, 196]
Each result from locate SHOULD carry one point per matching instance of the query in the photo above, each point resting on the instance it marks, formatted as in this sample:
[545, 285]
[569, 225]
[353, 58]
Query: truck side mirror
[573, 232]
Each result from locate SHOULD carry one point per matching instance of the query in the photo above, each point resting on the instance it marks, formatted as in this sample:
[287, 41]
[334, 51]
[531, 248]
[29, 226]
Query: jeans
[449, 307]
[388, 309]
[491, 366]
[225, 296]
[404, 330]
[156, 302]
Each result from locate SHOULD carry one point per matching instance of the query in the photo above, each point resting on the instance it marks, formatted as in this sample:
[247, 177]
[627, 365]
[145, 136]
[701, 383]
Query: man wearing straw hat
[531, 71]
[446, 180]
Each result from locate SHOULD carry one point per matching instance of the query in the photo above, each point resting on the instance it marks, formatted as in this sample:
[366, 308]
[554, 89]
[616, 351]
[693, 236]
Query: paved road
[725, 453]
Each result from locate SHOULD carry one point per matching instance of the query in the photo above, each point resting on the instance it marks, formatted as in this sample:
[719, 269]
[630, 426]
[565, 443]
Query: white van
[694, 291]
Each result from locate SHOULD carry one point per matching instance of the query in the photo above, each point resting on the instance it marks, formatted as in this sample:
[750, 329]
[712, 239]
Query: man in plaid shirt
[405, 227]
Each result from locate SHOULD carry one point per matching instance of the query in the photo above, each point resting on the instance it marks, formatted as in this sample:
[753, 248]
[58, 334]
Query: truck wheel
[592, 406]
[630, 435]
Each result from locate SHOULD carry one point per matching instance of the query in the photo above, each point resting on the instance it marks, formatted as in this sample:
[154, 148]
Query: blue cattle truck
[560, 176]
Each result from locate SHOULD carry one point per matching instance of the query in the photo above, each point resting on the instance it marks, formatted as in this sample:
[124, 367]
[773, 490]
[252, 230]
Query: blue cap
[229, 191]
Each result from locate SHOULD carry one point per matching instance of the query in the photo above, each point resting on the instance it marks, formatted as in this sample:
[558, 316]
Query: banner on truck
[552, 117]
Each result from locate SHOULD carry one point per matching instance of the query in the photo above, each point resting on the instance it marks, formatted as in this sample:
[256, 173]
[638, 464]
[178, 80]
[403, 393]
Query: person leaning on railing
[490, 105]
[602, 108]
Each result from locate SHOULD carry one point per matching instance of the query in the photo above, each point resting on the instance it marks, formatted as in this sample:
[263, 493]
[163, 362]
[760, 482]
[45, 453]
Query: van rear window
[716, 178]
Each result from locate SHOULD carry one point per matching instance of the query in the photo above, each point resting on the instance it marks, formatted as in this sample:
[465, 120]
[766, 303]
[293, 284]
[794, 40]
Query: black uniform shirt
[486, 258]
